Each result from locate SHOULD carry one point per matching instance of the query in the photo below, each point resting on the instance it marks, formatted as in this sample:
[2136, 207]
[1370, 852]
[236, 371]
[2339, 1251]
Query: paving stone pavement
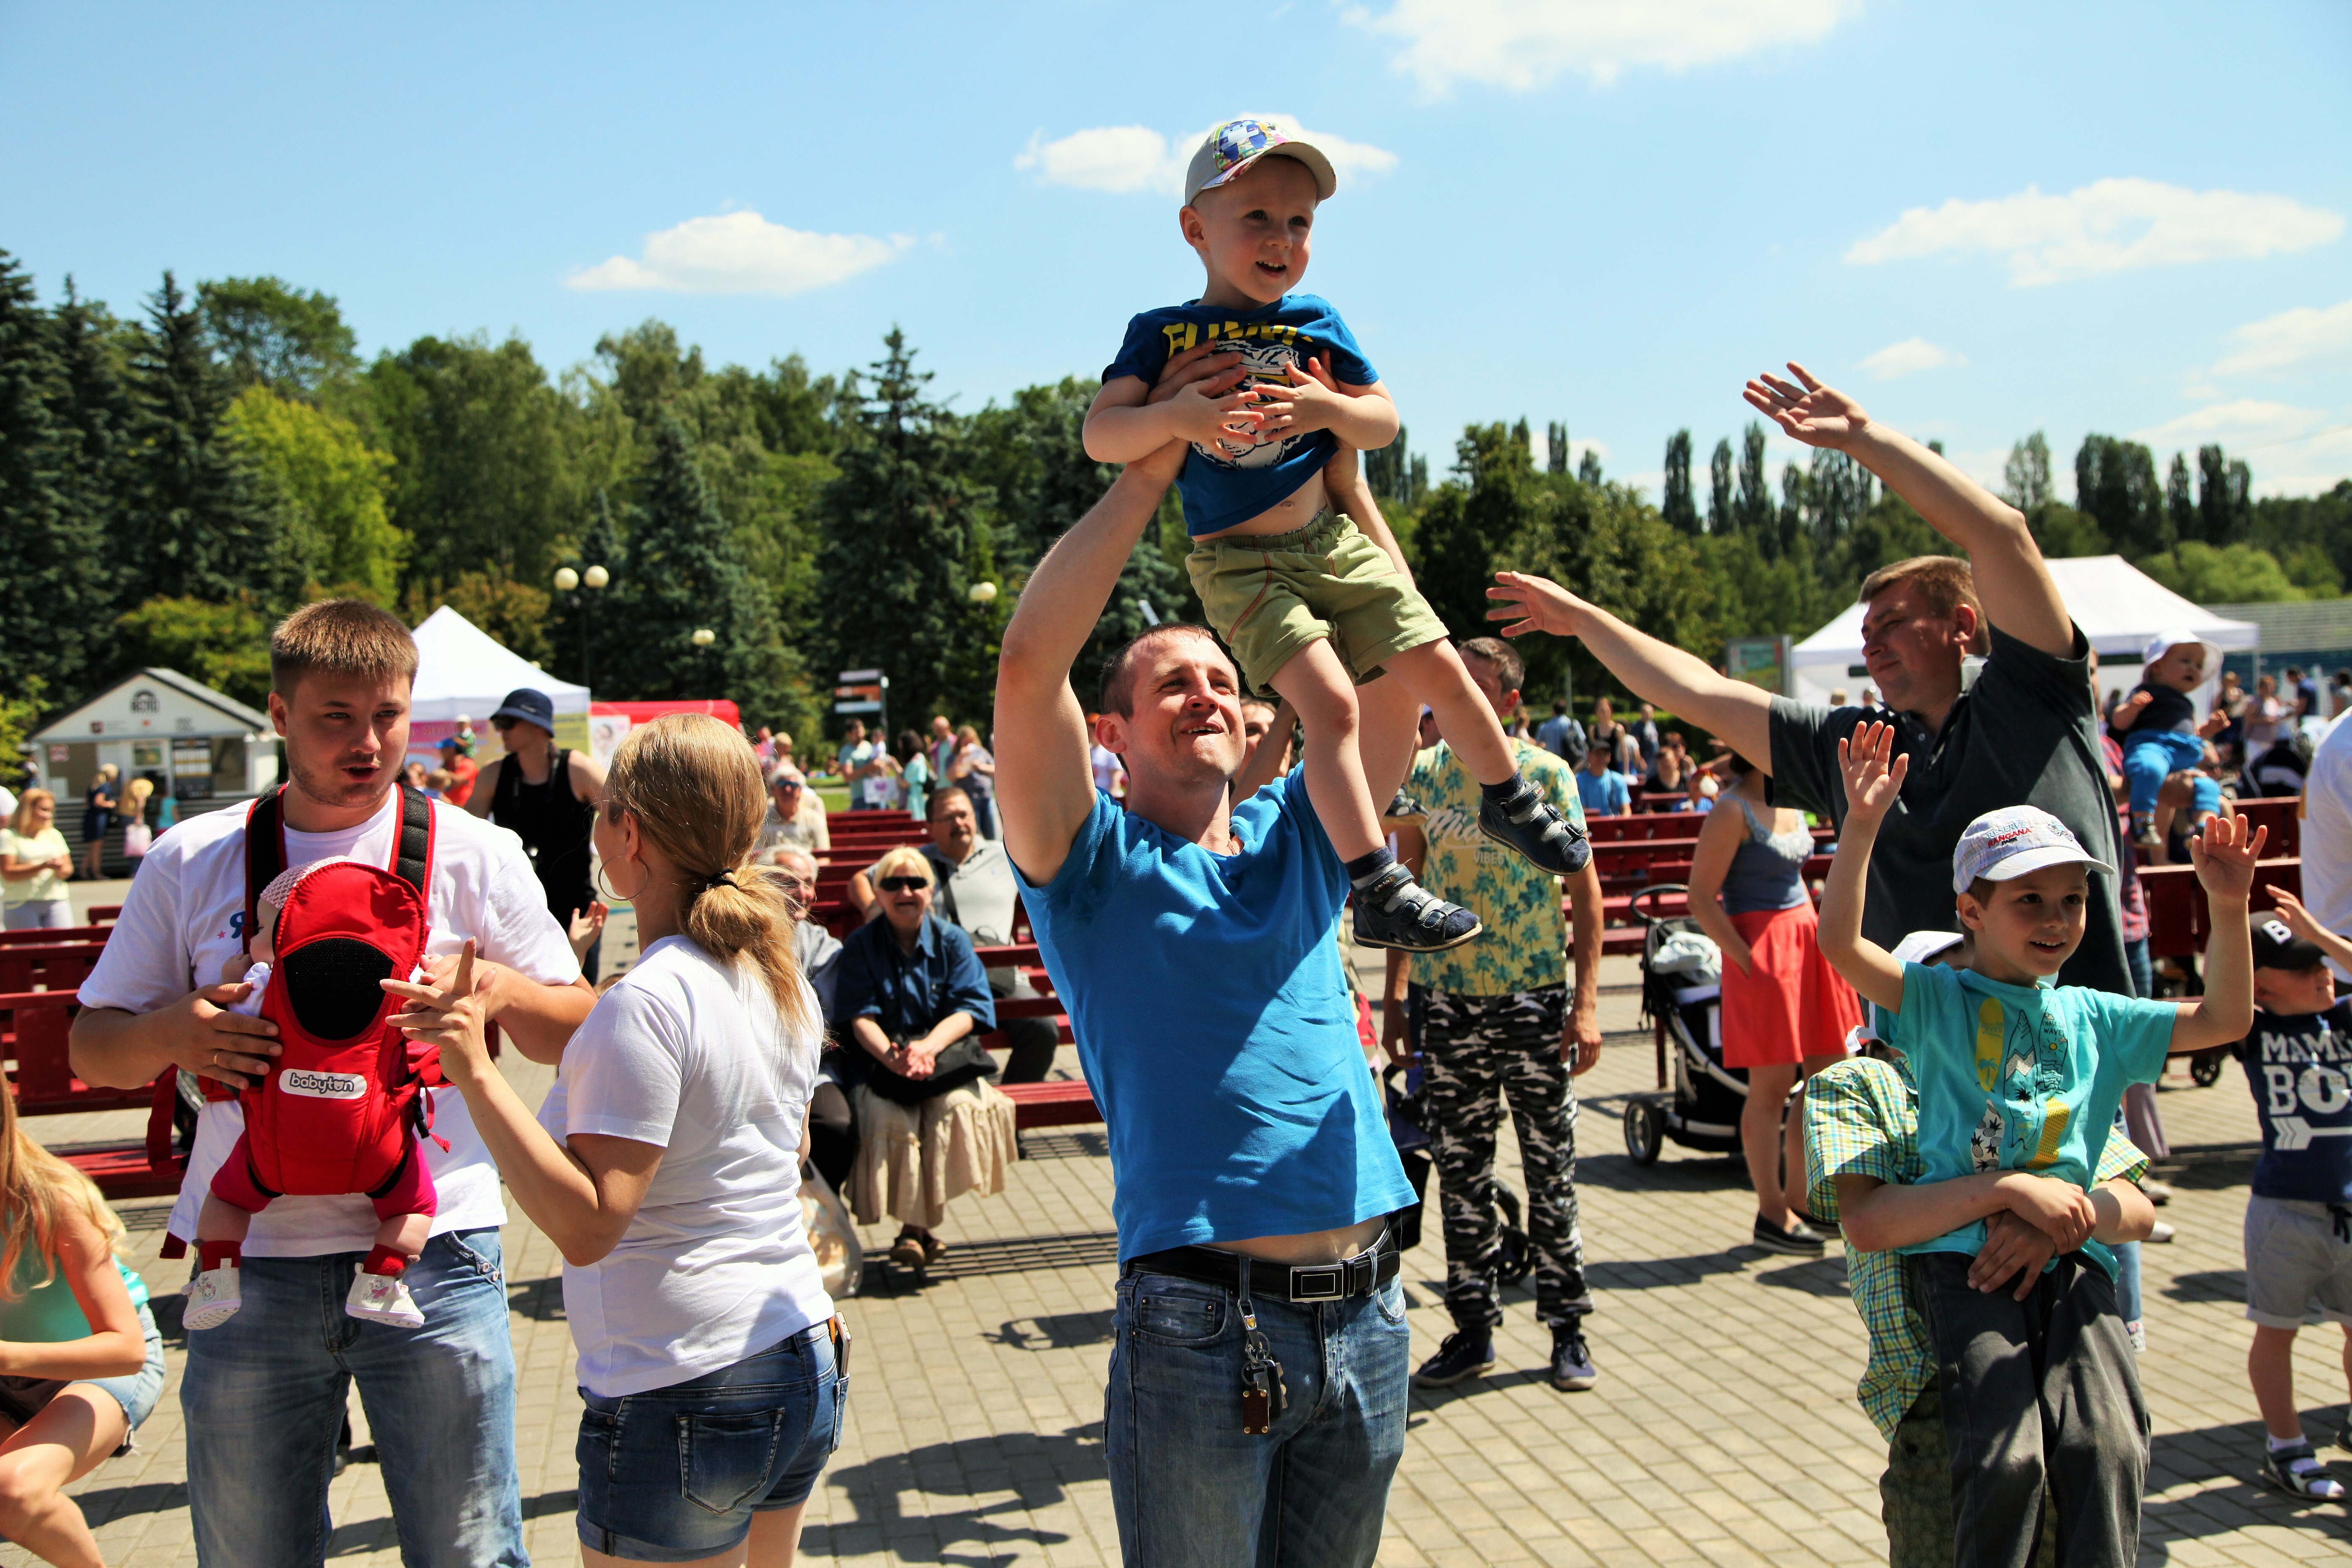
[1724, 1429]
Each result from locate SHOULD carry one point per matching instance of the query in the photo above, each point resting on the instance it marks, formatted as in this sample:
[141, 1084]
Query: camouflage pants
[1916, 1493]
[1478, 1052]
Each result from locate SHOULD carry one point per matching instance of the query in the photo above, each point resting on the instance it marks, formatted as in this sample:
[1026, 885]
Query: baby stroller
[1682, 997]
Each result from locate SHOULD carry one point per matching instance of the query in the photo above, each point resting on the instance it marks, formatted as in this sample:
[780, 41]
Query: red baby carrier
[332, 1115]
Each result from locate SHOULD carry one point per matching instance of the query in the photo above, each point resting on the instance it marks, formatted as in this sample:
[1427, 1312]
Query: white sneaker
[2161, 1234]
[384, 1299]
[212, 1299]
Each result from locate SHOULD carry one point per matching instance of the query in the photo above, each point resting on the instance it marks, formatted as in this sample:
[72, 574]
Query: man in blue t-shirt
[1260, 1326]
[1602, 788]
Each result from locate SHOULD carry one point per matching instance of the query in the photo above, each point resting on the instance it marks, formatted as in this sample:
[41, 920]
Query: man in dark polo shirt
[1982, 666]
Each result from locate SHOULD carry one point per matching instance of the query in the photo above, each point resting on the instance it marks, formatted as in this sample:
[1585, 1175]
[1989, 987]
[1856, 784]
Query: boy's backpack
[331, 1115]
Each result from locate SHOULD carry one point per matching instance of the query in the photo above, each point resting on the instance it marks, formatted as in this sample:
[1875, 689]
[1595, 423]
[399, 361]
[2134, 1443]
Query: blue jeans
[2147, 758]
[1189, 1488]
[48, 914]
[264, 1392]
[2143, 975]
[675, 1474]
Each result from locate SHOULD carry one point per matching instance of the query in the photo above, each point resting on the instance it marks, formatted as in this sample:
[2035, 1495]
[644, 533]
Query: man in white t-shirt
[2327, 832]
[263, 1395]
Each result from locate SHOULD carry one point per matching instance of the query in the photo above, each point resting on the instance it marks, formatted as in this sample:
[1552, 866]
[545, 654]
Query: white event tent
[2118, 607]
[464, 672]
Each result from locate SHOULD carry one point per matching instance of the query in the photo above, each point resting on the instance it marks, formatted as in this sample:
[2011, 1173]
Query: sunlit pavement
[1724, 1429]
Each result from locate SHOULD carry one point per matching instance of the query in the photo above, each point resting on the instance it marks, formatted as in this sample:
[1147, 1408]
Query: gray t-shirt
[979, 895]
[2023, 734]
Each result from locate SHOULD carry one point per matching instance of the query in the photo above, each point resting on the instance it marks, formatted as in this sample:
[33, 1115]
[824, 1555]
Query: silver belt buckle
[1322, 1282]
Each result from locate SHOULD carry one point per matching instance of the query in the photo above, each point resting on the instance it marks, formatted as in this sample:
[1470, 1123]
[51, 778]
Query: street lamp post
[568, 581]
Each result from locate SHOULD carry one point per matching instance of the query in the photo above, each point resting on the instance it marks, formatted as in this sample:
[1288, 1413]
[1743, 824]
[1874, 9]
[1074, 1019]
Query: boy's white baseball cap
[1922, 946]
[2165, 642]
[2016, 840]
[1231, 148]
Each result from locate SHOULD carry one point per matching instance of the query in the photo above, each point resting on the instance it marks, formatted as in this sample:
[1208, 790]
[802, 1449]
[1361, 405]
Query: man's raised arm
[1655, 671]
[2011, 579]
[1045, 783]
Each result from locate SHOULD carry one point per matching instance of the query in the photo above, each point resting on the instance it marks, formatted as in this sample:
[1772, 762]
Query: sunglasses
[904, 884]
[503, 724]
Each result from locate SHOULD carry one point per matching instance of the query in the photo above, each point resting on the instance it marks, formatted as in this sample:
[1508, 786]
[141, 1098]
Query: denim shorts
[676, 1474]
[22, 1398]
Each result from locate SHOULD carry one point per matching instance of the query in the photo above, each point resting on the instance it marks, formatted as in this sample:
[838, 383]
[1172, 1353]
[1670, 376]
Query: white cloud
[1909, 357]
[2289, 338]
[1122, 159]
[2111, 226]
[740, 253]
[2244, 422]
[1525, 44]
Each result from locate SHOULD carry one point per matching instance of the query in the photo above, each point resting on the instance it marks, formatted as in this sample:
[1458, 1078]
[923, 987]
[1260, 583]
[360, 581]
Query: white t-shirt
[2327, 832]
[183, 921]
[1107, 768]
[691, 1055]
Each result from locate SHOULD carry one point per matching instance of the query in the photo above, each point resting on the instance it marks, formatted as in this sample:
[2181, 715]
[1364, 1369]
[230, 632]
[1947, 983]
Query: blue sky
[1982, 219]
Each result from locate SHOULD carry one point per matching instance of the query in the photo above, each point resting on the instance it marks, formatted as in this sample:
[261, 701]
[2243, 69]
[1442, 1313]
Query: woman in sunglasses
[913, 1002]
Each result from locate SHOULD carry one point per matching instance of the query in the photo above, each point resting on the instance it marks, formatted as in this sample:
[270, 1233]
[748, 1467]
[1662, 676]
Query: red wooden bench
[53, 934]
[2178, 920]
[34, 1027]
[105, 914]
[48, 966]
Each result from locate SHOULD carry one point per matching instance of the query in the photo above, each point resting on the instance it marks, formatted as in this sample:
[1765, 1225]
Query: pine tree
[685, 574]
[1720, 518]
[2116, 485]
[200, 527]
[47, 555]
[2223, 507]
[1674, 503]
[894, 589]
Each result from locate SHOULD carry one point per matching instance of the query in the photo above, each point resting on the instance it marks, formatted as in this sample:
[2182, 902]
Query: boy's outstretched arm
[2300, 921]
[2224, 856]
[1871, 787]
[1127, 422]
[2011, 579]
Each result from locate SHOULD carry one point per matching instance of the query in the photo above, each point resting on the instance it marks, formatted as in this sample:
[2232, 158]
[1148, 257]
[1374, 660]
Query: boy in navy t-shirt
[1310, 604]
[2298, 1062]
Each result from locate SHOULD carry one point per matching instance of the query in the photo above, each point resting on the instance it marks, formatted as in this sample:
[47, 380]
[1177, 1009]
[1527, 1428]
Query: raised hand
[2224, 856]
[1872, 783]
[449, 1017]
[1533, 605]
[1816, 415]
[2127, 711]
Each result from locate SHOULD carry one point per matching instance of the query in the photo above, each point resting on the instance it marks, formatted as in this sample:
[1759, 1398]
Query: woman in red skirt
[1785, 1011]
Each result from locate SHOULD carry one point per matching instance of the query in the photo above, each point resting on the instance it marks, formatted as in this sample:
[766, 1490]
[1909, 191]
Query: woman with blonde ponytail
[81, 1363]
[665, 1163]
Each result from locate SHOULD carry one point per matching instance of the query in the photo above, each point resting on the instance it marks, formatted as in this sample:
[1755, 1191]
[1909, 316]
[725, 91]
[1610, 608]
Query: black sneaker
[1464, 1353]
[1394, 911]
[1800, 1240]
[1532, 826]
[1571, 1362]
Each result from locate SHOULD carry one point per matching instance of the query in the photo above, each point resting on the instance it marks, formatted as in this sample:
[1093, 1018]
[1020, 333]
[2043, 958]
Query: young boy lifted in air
[1308, 604]
[2158, 729]
[2017, 1074]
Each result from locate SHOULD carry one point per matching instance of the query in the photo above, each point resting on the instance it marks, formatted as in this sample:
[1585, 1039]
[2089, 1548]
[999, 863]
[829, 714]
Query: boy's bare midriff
[1296, 510]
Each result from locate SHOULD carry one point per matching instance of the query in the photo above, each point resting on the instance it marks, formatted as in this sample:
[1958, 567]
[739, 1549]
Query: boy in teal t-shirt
[2018, 1074]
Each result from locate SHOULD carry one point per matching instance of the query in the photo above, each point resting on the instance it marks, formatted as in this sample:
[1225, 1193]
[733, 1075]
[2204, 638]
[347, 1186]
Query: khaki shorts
[2295, 1263]
[1270, 594]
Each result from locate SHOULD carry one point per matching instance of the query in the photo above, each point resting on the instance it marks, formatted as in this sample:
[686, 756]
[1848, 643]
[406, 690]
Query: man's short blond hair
[904, 861]
[341, 637]
[1943, 583]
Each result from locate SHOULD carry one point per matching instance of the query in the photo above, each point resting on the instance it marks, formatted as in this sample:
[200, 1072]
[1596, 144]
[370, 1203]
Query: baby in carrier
[334, 1115]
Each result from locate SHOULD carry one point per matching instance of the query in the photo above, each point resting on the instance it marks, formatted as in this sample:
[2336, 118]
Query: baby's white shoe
[212, 1299]
[384, 1299]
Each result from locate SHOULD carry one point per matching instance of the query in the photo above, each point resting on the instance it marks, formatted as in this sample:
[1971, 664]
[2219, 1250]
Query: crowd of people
[1941, 1063]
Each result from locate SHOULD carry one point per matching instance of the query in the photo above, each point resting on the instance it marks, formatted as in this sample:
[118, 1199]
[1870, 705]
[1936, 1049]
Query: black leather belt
[1294, 1282]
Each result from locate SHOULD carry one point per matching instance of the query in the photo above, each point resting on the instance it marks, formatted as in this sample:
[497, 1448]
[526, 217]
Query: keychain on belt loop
[1263, 1396]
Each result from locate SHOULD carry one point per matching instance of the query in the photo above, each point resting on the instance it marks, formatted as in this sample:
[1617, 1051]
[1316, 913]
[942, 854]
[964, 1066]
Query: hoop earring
[612, 894]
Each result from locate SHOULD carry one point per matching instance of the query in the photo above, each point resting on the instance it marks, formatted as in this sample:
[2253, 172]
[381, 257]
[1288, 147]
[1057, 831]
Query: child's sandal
[2298, 1472]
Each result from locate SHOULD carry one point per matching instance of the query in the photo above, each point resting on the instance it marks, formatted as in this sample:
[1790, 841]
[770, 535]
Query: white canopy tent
[463, 672]
[2118, 607]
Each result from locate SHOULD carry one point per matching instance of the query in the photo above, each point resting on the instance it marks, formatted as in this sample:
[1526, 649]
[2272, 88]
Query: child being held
[404, 1203]
[2019, 1075]
[2298, 1062]
[1308, 604]
[2157, 728]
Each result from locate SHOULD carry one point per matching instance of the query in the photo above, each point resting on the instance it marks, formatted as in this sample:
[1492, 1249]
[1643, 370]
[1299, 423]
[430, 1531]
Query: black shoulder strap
[265, 857]
[412, 854]
[944, 898]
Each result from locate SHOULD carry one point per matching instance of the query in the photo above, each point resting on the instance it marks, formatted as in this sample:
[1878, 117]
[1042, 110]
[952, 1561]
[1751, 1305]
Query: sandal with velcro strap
[2300, 1473]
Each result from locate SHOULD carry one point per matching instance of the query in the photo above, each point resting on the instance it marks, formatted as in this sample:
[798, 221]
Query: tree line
[174, 480]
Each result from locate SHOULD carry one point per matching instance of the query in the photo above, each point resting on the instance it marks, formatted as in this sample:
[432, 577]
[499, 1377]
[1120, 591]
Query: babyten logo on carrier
[313, 1085]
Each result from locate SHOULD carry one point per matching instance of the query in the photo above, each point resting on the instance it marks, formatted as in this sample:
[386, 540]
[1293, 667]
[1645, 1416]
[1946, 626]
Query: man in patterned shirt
[1495, 1022]
[1862, 1171]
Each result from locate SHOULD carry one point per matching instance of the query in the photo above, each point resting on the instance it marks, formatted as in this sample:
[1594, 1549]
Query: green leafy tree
[515, 615]
[1720, 518]
[333, 485]
[20, 715]
[223, 642]
[267, 332]
[1753, 509]
[2180, 511]
[1587, 467]
[2064, 534]
[1674, 502]
[894, 578]
[1555, 448]
[685, 575]
[1468, 521]
[2025, 478]
[2223, 574]
[2224, 506]
[2116, 487]
[50, 586]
